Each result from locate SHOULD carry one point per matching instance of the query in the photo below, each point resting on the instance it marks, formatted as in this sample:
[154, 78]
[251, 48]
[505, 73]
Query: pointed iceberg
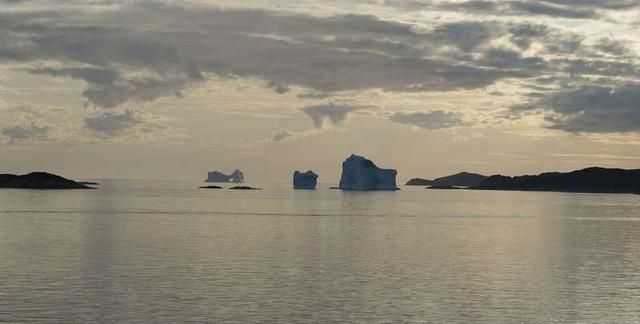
[360, 173]
[306, 180]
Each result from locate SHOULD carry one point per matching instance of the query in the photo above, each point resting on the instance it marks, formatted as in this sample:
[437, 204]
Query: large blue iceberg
[305, 180]
[360, 173]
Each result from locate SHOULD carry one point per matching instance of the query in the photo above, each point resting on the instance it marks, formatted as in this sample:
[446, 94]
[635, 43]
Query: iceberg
[235, 177]
[306, 180]
[360, 173]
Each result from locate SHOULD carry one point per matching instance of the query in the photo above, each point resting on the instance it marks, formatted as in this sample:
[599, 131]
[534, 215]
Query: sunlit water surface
[166, 252]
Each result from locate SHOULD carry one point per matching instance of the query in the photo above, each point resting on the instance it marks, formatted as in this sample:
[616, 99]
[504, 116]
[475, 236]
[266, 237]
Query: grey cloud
[437, 119]
[144, 89]
[314, 95]
[111, 123]
[521, 7]
[465, 35]
[108, 88]
[18, 133]
[553, 40]
[89, 74]
[279, 88]
[509, 59]
[282, 135]
[578, 67]
[327, 115]
[121, 59]
[591, 109]
[604, 4]
[541, 8]
[328, 54]
[474, 5]
[524, 34]
[612, 46]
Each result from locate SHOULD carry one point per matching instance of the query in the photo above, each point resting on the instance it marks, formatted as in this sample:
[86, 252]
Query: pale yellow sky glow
[170, 89]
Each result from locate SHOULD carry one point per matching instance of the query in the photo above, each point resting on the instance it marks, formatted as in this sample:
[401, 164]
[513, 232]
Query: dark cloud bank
[328, 115]
[25, 132]
[144, 50]
[111, 122]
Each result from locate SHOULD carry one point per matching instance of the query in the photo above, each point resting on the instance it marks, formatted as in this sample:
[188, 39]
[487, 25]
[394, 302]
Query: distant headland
[589, 180]
[462, 179]
[39, 180]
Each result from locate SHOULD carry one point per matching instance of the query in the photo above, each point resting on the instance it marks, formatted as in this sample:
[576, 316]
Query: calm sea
[166, 252]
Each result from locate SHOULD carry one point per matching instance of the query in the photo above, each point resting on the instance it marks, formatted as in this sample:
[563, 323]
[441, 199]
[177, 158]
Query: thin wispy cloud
[436, 119]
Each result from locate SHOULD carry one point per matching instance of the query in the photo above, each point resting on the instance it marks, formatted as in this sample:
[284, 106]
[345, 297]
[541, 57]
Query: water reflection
[138, 252]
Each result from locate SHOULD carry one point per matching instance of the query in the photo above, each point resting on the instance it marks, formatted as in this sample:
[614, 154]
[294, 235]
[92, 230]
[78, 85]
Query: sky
[172, 89]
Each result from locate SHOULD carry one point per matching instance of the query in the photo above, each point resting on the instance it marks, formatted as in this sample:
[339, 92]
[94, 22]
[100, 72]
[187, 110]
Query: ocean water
[166, 252]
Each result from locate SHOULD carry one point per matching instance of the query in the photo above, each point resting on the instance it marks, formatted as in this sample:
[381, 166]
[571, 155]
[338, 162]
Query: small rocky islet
[39, 180]
[244, 188]
[462, 179]
[211, 187]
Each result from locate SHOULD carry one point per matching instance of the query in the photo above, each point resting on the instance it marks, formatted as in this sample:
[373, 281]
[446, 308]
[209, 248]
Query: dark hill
[590, 180]
[39, 180]
[418, 182]
[462, 179]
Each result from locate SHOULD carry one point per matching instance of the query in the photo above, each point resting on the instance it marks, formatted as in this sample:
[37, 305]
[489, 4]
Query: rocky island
[216, 176]
[39, 180]
[361, 174]
[462, 179]
[590, 180]
[304, 180]
[419, 182]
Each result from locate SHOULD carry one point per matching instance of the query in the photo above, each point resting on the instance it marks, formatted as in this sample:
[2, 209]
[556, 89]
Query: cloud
[324, 118]
[122, 59]
[111, 123]
[26, 132]
[612, 46]
[110, 88]
[541, 8]
[572, 9]
[282, 135]
[520, 7]
[603, 4]
[591, 109]
[437, 119]
[329, 115]
[143, 50]
[132, 126]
